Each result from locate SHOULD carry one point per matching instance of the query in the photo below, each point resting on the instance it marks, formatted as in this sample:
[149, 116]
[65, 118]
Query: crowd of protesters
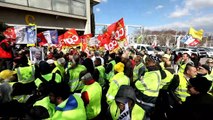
[125, 85]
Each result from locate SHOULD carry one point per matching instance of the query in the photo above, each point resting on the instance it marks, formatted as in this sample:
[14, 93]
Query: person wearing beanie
[124, 106]
[91, 95]
[116, 81]
[199, 105]
[204, 71]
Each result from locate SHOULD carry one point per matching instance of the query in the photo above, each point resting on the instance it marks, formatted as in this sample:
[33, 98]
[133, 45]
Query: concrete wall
[15, 16]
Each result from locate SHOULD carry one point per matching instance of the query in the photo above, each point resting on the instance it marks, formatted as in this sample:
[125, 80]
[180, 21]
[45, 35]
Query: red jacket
[3, 53]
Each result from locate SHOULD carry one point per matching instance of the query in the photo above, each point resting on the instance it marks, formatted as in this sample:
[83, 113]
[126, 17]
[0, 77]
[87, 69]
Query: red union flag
[70, 38]
[117, 30]
[104, 39]
[84, 40]
[112, 45]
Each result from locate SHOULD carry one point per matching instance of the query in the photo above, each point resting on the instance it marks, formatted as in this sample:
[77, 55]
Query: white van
[146, 47]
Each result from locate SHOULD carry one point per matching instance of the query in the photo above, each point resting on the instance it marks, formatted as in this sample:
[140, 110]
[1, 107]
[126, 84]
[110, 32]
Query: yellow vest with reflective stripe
[45, 102]
[166, 80]
[115, 83]
[74, 82]
[150, 83]
[74, 114]
[60, 68]
[95, 93]
[137, 112]
[136, 70]
[111, 73]
[48, 77]
[26, 74]
[181, 90]
[101, 79]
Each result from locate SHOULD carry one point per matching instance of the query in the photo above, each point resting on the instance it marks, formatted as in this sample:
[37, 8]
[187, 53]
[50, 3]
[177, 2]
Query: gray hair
[5, 92]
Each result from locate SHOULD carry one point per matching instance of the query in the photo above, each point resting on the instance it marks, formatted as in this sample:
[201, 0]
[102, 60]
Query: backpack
[45, 86]
[166, 100]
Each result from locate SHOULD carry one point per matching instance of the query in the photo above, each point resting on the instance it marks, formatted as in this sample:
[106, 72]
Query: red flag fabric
[69, 38]
[117, 30]
[112, 45]
[194, 43]
[10, 33]
[104, 39]
[120, 33]
[41, 39]
[84, 39]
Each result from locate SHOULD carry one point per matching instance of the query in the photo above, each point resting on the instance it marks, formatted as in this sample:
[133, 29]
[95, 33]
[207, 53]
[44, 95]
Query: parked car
[201, 52]
[209, 52]
[185, 50]
[145, 47]
[159, 50]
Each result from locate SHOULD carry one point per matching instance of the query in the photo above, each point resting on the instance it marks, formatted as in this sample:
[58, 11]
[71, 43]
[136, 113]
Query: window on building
[61, 5]
[78, 7]
[43, 4]
[19, 2]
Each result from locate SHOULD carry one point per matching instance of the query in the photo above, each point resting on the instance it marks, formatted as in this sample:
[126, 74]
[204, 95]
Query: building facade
[50, 14]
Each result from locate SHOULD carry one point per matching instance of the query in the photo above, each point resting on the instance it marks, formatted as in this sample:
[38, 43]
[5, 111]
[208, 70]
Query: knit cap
[119, 67]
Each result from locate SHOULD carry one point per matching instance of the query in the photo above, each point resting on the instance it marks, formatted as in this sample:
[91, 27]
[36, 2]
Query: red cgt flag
[84, 39]
[69, 38]
[104, 39]
[117, 30]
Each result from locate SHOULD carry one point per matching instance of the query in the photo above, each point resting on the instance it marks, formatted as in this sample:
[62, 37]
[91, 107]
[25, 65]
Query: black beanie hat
[201, 84]
[207, 68]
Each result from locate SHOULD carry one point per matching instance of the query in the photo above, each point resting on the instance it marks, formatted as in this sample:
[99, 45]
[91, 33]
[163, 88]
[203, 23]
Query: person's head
[97, 62]
[7, 75]
[125, 95]
[119, 67]
[138, 59]
[51, 63]
[59, 92]
[61, 61]
[190, 71]
[38, 55]
[149, 62]
[209, 62]
[168, 51]
[165, 57]
[86, 78]
[44, 68]
[5, 92]
[112, 56]
[88, 63]
[185, 56]
[198, 85]
[76, 59]
[204, 69]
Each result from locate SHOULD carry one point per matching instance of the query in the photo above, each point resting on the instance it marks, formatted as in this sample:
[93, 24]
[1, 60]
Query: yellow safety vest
[60, 68]
[74, 82]
[95, 93]
[150, 83]
[45, 102]
[181, 90]
[111, 73]
[26, 74]
[70, 109]
[115, 83]
[48, 77]
[136, 70]
[101, 79]
[137, 112]
[167, 79]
